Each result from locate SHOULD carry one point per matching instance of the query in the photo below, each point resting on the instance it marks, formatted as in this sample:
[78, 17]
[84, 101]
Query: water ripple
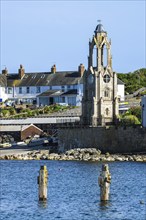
[73, 192]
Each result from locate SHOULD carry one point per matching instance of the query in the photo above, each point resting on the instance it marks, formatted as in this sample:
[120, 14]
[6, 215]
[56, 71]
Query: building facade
[45, 88]
[100, 91]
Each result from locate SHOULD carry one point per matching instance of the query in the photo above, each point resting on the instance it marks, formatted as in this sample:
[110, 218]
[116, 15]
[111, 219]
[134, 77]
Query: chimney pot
[81, 69]
[53, 69]
[21, 71]
[5, 71]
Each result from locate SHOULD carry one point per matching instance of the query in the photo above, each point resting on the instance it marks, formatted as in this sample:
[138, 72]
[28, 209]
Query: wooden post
[43, 183]
[104, 181]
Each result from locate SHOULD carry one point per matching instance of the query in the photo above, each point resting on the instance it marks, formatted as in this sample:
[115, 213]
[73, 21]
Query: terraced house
[45, 88]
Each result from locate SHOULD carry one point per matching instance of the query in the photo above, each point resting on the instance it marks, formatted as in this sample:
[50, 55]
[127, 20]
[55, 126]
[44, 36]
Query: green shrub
[12, 111]
[130, 120]
[5, 112]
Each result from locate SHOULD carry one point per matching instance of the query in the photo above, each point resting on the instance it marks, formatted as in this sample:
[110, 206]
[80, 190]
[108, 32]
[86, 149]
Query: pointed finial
[99, 21]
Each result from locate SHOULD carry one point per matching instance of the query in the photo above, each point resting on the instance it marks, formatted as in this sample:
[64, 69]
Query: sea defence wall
[106, 139]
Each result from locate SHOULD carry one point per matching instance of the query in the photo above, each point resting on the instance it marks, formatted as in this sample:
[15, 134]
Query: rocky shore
[79, 154]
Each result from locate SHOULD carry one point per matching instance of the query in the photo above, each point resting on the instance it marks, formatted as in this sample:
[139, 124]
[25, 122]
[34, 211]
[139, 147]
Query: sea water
[73, 191]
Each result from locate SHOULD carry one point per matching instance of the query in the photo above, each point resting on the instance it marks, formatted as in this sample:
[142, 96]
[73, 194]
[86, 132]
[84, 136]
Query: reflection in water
[42, 204]
[104, 205]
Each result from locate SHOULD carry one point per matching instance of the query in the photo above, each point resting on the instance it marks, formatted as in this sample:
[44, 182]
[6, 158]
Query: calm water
[73, 193]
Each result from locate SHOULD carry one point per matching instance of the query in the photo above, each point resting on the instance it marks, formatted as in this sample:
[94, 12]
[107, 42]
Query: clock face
[90, 79]
[106, 78]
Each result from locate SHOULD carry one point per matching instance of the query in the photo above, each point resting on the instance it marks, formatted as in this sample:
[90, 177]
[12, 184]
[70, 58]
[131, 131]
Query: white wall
[33, 92]
[3, 95]
[121, 92]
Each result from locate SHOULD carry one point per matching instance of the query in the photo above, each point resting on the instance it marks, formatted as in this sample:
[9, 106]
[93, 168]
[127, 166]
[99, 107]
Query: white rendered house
[45, 88]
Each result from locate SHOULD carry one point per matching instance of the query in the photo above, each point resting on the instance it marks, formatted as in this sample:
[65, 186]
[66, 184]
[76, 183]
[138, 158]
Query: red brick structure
[30, 131]
[20, 132]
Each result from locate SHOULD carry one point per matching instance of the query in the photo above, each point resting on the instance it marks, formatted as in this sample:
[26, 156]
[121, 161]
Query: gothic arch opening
[104, 55]
[94, 58]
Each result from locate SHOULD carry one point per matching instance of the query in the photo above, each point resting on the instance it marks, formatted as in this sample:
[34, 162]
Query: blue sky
[39, 34]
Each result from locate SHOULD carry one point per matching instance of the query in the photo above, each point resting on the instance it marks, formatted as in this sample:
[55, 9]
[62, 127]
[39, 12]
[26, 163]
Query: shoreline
[76, 154]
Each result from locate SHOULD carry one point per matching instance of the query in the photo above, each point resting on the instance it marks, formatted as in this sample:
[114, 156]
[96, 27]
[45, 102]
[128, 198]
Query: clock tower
[100, 102]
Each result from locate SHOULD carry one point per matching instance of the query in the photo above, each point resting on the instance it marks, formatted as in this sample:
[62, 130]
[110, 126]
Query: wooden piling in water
[43, 183]
[104, 181]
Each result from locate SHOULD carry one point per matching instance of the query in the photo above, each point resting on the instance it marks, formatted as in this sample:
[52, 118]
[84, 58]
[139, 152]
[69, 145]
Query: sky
[39, 34]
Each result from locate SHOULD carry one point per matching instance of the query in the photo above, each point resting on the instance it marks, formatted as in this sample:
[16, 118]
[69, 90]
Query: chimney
[53, 69]
[81, 69]
[5, 71]
[21, 71]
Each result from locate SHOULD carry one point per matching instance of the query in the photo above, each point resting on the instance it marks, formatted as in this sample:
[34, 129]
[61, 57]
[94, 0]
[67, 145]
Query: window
[50, 87]
[106, 78]
[68, 87]
[63, 99]
[62, 88]
[72, 101]
[38, 89]
[10, 90]
[20, 90]
[27, 90]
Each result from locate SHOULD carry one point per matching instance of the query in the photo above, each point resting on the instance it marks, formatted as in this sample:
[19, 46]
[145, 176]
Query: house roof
[3, 80]
[53, 93]
[10, 128]
[45, 79]
[50, 93]
[120, 82]
[71, 92]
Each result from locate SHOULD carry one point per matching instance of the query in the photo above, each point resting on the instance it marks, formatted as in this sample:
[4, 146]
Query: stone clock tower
[100, 102]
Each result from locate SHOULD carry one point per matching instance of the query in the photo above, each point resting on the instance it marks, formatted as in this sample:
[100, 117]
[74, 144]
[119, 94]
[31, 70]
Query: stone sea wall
[106, 139]
[78, 154]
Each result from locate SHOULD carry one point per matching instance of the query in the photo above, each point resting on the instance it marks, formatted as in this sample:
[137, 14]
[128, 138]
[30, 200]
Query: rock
[71, 152]
[86, 157]
[107, 154]
[144, 158]
[6, 157]
[53, 156]
[63, 157]
[70, 158]
[118, 159]
[139, 159]
[110, 159]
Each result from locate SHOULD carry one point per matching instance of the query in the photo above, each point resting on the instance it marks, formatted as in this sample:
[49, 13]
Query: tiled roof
[120, 82]
[45, 79]
[53, 93]
[71, 92]
[50, 93]
[3, 80]
[4, 128]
